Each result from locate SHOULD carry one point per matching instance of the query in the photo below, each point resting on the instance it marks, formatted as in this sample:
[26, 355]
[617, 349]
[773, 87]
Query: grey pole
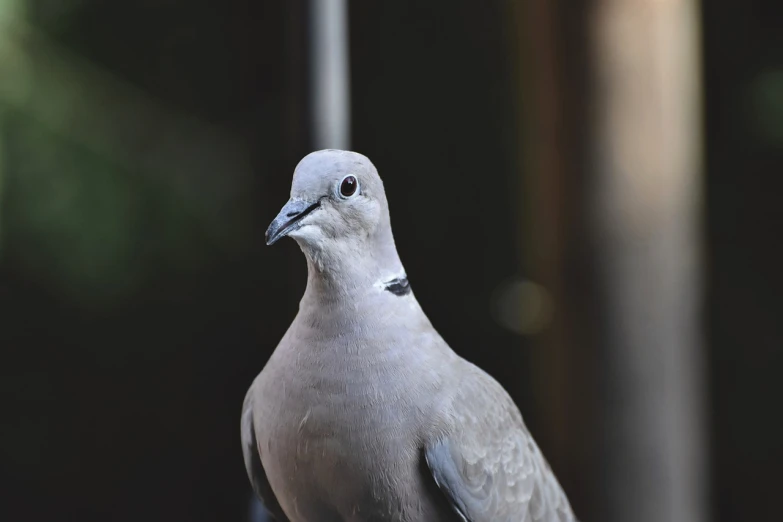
[330, 80]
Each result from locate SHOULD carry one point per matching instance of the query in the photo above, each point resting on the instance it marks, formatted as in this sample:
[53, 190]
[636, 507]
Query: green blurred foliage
[87, 227]
[766, 93]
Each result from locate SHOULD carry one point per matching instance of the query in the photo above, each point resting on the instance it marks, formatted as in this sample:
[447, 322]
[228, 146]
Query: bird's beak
[288, 219]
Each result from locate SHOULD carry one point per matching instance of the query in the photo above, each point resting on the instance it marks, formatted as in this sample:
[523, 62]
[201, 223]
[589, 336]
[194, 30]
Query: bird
[363, 413]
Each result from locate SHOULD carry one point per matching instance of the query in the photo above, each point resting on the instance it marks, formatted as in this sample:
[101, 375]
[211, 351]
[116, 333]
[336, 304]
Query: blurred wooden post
[646, 132]
[613, 156]
[551, 159]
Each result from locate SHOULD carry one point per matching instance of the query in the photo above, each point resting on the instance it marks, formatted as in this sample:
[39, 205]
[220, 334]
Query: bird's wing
[255, 471]
[488, 465]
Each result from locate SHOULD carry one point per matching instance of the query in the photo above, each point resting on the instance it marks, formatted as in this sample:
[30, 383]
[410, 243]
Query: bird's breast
[354, 425]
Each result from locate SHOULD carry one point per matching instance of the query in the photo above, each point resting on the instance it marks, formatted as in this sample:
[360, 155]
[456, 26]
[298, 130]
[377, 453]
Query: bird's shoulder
[486, 461]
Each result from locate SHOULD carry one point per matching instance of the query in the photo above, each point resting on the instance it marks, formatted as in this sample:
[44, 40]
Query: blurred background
[585, 193]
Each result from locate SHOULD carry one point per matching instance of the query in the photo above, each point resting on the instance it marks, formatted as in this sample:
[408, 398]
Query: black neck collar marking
[398, 286]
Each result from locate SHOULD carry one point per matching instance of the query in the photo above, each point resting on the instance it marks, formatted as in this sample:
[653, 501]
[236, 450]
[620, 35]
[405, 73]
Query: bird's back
[487, 460]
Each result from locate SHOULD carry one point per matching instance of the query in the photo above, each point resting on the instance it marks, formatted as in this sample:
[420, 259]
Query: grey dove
[363, 412]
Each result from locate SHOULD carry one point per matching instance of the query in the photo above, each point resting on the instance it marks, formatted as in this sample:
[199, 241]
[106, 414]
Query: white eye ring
[348, 187]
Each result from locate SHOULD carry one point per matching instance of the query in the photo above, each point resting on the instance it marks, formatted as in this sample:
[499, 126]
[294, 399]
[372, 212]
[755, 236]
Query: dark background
[153, 142]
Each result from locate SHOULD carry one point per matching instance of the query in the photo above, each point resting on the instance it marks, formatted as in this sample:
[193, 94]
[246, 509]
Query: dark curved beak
[288, 219]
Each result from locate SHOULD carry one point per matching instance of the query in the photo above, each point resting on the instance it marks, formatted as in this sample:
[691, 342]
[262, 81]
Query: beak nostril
[292, 214]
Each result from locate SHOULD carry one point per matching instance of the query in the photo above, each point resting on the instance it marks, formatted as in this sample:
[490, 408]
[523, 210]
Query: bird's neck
[352, 269]
[361, 298]
[353, 280]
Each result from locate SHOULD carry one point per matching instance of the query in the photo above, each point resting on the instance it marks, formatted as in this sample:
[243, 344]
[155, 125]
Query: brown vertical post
[611, 154]
[543, 204]
[551, 88]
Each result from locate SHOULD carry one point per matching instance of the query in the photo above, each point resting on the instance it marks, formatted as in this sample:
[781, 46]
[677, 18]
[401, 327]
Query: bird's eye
[348, 186]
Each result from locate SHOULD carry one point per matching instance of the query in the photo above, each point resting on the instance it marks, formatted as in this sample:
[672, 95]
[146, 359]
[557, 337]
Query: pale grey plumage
[363, 413]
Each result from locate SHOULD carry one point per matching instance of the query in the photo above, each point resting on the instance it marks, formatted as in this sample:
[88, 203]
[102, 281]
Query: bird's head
[337, 212]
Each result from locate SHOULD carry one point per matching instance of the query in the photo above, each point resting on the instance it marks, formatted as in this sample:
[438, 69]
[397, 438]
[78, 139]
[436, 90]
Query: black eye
[348, 186]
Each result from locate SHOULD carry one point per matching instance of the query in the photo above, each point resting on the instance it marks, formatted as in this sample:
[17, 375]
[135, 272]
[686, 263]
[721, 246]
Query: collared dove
[363, 412]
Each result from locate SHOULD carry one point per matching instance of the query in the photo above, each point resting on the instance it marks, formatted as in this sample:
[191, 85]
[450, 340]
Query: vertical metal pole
[330, 76]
